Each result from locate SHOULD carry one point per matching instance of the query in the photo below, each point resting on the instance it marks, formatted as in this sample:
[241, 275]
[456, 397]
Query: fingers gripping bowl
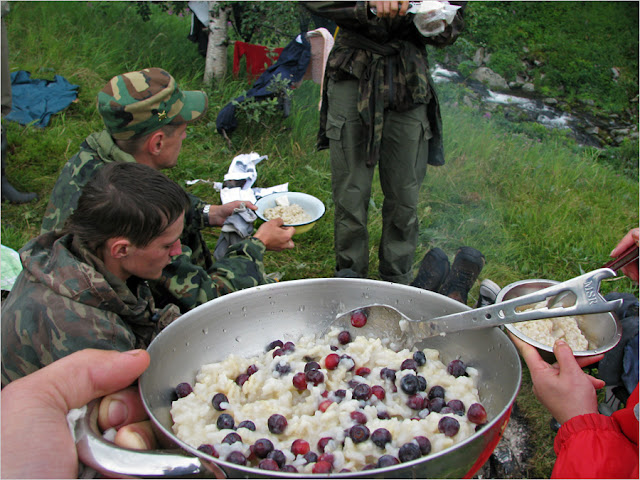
[601, 332]
[313, 209]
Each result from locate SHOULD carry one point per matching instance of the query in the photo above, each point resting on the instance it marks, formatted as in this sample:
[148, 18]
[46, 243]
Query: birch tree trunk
[216, 59]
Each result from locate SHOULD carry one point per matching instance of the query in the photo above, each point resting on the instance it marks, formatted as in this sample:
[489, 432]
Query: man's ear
[155, 142]
[118, 247]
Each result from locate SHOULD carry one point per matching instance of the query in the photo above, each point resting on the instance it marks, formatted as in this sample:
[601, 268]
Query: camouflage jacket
[389, 59]
[65, 300]
[192, 278]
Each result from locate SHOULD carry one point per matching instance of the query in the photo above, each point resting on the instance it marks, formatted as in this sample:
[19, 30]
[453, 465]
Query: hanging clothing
[258, 58]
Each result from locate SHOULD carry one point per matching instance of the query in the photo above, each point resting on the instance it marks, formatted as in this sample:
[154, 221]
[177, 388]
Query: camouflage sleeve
[38, 328]
[189, 285]
[65, 194]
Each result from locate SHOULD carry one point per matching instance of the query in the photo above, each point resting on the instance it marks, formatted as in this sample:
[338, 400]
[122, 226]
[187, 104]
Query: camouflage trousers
[402, 168]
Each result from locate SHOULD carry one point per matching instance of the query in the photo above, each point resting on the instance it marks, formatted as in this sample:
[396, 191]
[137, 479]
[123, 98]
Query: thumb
[75, 380]
[564, 355]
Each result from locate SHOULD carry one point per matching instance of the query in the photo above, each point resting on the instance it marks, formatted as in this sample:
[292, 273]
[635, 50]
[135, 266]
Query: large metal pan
[244, 322]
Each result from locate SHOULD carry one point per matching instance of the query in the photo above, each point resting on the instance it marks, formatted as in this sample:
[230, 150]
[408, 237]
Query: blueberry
[422, 383]
[380, 437]
[409, 384]
[359, 433]
[314, 376]
[387, 461]
[409, 364]
[274, 344]
[420, 357]
[183, 389]
[225, 421]
[232, 438]
[311, 366]
[248, 424]
[424, 443]
[457, 368]
[283, 368]
[262, 447]
[289, 468]
[409, 451]
[449, 426]
[436, 404]
[278, 456]
[310, 457]
[436, 391]
[217, 399]
[240, 379]
[268, 464]
[457, 406]
[237, 457]
[208, 449]
[362, 391]
[277, 423]
[388, 374]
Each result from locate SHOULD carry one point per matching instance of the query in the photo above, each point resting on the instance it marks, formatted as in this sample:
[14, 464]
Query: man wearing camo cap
[145, 114]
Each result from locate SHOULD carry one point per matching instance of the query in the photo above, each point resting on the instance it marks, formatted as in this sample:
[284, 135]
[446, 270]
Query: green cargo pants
[402, 165]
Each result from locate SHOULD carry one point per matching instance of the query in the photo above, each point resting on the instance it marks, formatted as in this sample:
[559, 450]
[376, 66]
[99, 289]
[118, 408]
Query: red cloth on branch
[258, 58]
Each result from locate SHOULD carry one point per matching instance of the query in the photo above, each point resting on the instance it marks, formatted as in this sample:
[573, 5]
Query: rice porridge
[335, 404]
[548, 330]
[290, 213]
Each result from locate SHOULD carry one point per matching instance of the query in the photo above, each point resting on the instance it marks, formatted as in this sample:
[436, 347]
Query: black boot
[8, 191]
[434, 268]
[466, 267]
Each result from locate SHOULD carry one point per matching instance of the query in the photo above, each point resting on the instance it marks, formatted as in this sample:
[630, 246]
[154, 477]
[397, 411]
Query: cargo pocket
[334, 127]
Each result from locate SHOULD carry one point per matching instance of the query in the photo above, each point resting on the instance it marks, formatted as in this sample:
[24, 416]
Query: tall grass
[535, 209]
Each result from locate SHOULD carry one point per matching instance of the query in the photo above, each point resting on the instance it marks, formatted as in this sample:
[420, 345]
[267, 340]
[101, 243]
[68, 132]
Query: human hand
[275, 236]
[390, 9]
[563, 388]
[35, 407]
[219, 213]
[631, 238]
[125, 412]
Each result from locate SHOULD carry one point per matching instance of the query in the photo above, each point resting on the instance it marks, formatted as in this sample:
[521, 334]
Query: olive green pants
[402, 167]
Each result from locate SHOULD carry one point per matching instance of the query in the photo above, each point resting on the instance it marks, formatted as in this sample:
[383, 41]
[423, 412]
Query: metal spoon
[584, 288]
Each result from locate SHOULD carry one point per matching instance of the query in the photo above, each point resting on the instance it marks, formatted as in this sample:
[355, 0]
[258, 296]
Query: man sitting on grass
[85, 286]
[145, 115]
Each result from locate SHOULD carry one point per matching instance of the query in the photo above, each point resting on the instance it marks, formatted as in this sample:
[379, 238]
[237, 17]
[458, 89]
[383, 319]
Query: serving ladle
[578, 296]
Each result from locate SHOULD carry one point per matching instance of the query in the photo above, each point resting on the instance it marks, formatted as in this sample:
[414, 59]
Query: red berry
[322, 443]
[300, 381]
[358, 319]
[324, 405]
[300, 447]
[326, 457]
[322, 466]
[344, 337]
[379, 392]
[251, 369]
[331, 361]
[358, 417]
[363, 371]
[477, 414]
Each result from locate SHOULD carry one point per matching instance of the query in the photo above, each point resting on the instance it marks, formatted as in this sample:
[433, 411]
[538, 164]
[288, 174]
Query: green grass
[536, 206]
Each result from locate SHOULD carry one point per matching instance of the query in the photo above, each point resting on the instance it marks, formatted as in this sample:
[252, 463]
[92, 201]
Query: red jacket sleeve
[595, 446]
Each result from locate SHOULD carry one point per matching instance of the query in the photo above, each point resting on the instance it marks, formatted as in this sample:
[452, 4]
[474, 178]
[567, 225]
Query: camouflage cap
[137, 103]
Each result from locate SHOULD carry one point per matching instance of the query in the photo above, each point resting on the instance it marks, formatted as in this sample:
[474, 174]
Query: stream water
[529, 108]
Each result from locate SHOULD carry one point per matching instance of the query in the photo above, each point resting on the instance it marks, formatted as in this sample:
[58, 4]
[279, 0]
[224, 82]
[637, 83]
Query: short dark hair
[133, 145]
[127, 200]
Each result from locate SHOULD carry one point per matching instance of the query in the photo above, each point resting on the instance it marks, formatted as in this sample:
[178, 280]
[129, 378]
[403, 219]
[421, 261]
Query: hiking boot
[434, 268]
[346, 273]
[488, 293]
[466, 267]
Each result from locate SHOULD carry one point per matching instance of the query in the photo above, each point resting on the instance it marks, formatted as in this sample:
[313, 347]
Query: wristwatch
[205, 215]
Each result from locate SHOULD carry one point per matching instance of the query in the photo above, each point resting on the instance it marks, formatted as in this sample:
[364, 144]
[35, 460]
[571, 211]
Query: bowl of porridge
[265, 383]
[586, 334]
[297, 209]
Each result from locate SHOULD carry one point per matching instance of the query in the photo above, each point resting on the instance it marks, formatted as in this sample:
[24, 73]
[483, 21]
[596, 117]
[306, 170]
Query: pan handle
[113, 461]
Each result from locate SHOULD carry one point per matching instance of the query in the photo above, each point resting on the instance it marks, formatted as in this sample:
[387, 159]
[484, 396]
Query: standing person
[145, 114]
[379, 108]
[85, 286]
[8, 191]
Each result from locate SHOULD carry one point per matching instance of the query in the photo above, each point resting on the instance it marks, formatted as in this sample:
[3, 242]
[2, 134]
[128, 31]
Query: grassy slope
[535, 209]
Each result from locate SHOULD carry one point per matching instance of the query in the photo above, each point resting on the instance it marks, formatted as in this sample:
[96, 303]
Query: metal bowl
[312, 205]
[602, 330]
